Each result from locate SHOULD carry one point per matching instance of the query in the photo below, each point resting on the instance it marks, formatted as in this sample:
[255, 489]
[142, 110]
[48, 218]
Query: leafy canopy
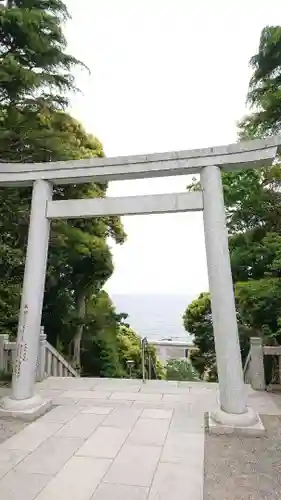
[36, 78]
[253, 201]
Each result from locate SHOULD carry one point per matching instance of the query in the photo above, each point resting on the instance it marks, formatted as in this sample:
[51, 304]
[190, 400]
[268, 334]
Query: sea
[157, 317]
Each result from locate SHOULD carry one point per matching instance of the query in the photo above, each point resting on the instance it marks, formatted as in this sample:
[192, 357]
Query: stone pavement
[112, 439]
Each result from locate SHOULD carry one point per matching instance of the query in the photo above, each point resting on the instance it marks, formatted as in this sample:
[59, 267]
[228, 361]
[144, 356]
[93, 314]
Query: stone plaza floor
[113, 439]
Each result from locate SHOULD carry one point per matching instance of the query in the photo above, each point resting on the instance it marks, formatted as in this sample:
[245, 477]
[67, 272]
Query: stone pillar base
[24, 409]
[245, 424]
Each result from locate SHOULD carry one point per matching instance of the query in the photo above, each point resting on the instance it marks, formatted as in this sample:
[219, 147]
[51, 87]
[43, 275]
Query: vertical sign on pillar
[27, 349]
[21, 348]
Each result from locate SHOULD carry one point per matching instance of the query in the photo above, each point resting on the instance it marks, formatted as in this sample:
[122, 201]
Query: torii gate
[233, 412]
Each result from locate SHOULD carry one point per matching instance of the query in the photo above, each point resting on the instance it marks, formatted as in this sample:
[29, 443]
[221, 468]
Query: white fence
[50, 362]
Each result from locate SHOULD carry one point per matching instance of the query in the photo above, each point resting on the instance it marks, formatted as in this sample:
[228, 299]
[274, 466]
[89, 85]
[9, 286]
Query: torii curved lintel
[255, 153]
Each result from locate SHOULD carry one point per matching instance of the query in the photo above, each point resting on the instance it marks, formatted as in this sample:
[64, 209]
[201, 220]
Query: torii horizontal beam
[256, 153]
[129, 205]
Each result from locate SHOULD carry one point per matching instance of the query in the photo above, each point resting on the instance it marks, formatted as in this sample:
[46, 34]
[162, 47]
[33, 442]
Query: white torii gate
[233, 411]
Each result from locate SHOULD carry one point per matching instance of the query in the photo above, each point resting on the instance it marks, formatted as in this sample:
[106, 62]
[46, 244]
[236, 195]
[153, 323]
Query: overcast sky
[165, 75]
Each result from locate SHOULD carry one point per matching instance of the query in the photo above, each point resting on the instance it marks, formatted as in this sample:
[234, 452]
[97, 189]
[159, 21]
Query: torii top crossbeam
[255, 153]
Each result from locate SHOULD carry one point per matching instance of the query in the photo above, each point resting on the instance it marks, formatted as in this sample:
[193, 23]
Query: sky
[165, 75]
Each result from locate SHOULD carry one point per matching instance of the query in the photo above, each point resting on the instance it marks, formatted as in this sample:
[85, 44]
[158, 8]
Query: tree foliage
[34, 65]
[198, 321]
[264, 88]
[181, 369]
[35, 82]
[130, 349]
[253, 201]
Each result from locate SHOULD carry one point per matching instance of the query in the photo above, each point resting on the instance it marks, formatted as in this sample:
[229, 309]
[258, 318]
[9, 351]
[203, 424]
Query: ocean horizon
[155, 316]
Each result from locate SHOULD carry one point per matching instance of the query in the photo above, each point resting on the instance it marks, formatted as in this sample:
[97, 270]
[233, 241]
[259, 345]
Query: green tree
[253, 201]
[264, 89]
[108, 344]
[35, 81]
[34, 65]
[130, 349]
[181, 369]
[197, 320]
[253, 216]
[100, 345]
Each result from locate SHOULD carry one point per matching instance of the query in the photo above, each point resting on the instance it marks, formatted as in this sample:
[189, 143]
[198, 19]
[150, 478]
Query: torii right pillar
[233, 415]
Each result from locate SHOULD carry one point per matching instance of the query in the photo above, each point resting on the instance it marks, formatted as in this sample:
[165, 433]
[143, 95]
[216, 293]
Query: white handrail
[56, 365]
[50, 362]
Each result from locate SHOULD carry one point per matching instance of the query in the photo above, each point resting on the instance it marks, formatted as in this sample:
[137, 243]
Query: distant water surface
[155, 316]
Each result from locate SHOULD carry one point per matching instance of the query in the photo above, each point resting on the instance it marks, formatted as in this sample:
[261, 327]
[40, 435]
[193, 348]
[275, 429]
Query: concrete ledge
[255, 429]
[26, 409]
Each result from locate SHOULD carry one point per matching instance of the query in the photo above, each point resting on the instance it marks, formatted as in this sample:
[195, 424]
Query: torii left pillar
[23, 402]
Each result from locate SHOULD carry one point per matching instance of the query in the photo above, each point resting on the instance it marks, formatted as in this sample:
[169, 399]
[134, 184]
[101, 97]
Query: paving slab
[176, 482]
[157, 413]
[96, 410]
[160, 383]
[120, 403]
[196, 385]
[77, 480]
[50, 393]
[134, 465]
[156, 404]
[71, 383]
[149, 431]
[22, 486]
[10, 458]
[120, 382]
[138, 396]
[120, 492]
[183, 421]
[183, 448]
[122, 417]
[32, 436]
[177, 398]
[60, 401]
[81, 426]
[50, 456]
[60, 414]
[82, 394]
[121, 387]
[165, 389]
[105, 442]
